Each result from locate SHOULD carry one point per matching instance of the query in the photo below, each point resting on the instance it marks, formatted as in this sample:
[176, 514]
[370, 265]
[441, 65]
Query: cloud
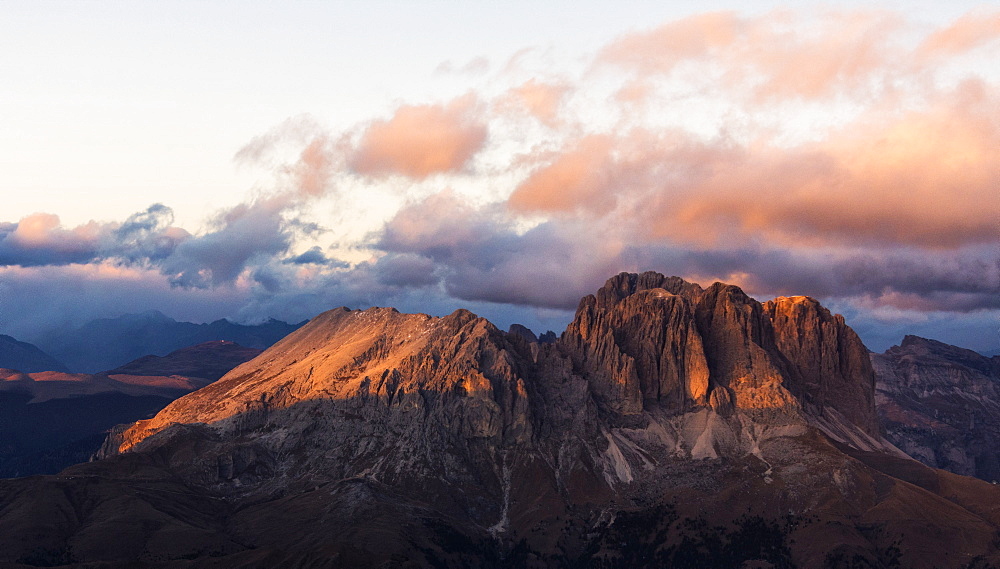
[848, 155]
[40, 239]
[314, 256]
[776, 56]
[36, 299]
[965, 34]
[578, 178]
[145, 236]
[421, 140]
[539, 99]
[246, 233]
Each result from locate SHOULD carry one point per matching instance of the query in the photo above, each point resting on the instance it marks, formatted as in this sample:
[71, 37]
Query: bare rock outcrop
[831, 373]
[637, 344]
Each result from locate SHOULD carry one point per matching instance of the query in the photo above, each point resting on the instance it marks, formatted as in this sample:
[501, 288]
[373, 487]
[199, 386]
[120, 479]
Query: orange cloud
[776, 55]
[314, 168]
[927, 178]
[660, 50]
[421, 140]
[579, 178]
[540, 100]
[967, 33]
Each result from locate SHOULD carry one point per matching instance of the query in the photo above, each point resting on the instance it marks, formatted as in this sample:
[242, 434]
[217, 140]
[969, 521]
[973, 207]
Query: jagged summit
[667, 425]
[643, 343]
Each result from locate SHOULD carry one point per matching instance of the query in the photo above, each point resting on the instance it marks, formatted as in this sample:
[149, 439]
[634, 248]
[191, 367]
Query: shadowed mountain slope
[669, 426]
[111, 342]
[26, 357]
[941, 404]
[50, 420]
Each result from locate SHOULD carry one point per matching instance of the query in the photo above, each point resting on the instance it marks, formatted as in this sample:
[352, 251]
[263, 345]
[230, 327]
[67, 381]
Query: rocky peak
[916, 349]
[829, 365]
[645, 340]
[643, 350]
[639, 346]
[624, 285]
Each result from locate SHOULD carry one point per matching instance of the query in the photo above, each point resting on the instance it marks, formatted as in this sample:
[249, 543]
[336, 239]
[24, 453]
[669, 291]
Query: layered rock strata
[941, 405]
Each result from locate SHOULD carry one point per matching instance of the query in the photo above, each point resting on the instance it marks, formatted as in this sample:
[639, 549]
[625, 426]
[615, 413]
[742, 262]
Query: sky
[251, 160]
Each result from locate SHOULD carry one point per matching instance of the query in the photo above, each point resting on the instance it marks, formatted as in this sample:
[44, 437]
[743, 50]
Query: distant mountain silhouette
[23, 356]
[111, 342]
[50, 420]
[210, 360]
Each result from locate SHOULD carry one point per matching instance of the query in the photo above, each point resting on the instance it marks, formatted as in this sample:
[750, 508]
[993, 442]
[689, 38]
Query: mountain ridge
[107, 343]
[669, 425]
[941, 404]
[23, 356]
[54, 419]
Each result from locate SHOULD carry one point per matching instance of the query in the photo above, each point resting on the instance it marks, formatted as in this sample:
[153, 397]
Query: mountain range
[669, 425]
[941, 405]
[110, 342]
[26, 357]
[50, 420]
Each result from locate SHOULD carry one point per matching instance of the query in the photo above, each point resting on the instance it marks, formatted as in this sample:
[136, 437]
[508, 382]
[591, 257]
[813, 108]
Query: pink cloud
[774, 56]
[315, 167]
[967, 33]
[421, 140]
[927, 178]
[578, 178]
[539, 99]
[660, 50]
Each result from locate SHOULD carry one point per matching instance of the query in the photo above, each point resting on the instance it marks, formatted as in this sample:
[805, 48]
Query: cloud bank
[847, 155]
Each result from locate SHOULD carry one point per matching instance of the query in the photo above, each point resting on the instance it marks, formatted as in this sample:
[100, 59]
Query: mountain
[26, 357]
[941, 404]
[210, 360]
[668, 426]
[50, 420]
[111, 342]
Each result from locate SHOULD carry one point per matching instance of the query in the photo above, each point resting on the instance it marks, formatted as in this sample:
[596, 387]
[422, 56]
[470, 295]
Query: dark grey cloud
[480, 254]
[146, 235]
[315, 256]
[38, 240]
[245, 234]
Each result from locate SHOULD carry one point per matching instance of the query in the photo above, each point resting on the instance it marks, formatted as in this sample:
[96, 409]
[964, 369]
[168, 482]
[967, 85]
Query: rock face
[832, 375]
[669, 425]
[941, 405]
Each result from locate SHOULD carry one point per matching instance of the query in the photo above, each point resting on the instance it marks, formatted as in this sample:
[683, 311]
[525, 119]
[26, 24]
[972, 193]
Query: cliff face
[668, 425]
[830, 372]
[647, 340]
[941, 405]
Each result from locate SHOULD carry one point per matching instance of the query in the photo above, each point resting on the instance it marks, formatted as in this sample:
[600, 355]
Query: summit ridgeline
[669, 424]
